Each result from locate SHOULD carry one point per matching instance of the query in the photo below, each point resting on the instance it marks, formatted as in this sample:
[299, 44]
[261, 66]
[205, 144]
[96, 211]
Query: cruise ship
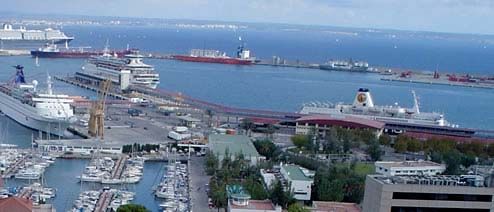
[25, 39]
[343, 65]
[108, 66]
[363, 107]
[46, 112]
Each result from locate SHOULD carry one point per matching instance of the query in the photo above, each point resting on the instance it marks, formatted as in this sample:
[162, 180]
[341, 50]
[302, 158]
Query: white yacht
[109, 66]
[28, 174]
[47, 112]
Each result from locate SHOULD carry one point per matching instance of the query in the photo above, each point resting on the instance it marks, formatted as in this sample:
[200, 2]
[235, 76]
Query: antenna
[415, 102]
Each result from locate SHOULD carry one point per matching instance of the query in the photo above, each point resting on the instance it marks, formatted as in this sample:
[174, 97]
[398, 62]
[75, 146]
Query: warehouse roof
[235, 144]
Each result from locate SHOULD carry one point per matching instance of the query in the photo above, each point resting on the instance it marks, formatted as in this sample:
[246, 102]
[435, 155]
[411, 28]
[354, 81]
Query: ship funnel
[363, 98]
[19, 75]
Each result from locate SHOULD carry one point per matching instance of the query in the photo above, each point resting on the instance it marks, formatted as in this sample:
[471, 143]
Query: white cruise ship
[111, 67]
[22, 38]
[46, 112]
[363, 107]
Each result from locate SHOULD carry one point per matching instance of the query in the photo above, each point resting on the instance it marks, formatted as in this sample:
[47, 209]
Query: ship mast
[49, 83]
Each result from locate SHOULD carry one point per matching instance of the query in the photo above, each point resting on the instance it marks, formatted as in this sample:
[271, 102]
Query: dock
[119, 167]
[437, 79]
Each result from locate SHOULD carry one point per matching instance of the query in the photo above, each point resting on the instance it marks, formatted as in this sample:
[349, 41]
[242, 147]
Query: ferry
[363, 107]
[46, 112]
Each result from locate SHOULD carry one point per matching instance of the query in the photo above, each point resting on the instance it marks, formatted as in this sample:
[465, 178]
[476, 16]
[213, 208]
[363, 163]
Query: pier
[119, 167]
[104, 201]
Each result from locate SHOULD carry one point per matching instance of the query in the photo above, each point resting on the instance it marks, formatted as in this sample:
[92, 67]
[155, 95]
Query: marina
[174, 188]
[107, 171]
[102, 200]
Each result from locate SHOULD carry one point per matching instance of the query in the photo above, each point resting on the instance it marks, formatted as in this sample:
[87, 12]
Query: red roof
[344, 121]
[257, 120]
[319, 206]
[16, 204]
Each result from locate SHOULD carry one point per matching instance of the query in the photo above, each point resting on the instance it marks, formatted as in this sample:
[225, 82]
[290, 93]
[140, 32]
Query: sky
[461, 16]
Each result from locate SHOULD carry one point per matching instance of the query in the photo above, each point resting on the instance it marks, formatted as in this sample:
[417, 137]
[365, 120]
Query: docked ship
[363, 107]
[23, 38]
[242, 56]
[52, 51]
[346, 65]
[47, 112]
[112, 67]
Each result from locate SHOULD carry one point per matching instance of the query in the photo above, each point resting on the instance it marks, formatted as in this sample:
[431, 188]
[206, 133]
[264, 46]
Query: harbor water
[267, 87]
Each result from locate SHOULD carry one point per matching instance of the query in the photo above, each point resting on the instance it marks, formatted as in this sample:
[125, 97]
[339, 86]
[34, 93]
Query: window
[443, 197]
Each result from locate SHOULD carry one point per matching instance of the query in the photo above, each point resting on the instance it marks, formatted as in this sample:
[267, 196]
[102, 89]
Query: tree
[279, 196]
[132, 208]
[247, 125]
[452, 160]
[413, 145]
[266, 148]
[210, 114]
[385, 139]
[297, 208]
[300, 141]
[212, 163]
[374, 150]
[400, 146]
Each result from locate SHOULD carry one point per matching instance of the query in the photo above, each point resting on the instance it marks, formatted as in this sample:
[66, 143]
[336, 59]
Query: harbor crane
[97, 111]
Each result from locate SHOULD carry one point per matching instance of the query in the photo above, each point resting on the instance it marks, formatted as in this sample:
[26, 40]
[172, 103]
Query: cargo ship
[52, 51]
[242, 57]
[41, 111]
[363, 107]
[24, 39]
[346, 65]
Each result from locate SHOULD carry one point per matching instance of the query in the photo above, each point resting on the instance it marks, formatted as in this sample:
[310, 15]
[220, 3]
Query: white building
[299, 179]
[268, 177]
[392, 168]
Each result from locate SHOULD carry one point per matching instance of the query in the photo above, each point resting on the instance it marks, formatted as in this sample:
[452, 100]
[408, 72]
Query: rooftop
[436, 180]
[235, 144]
[296, 172]
[347, 121]
[261, 205]
[16, 204]
[395, 164]
[188, 119]
[334, 206]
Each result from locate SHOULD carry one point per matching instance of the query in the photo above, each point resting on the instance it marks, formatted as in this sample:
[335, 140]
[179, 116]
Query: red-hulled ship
[51, 51]
[214, 56]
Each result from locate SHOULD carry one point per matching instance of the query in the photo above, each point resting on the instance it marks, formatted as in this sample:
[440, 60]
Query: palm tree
[247, 125]
[210, 114]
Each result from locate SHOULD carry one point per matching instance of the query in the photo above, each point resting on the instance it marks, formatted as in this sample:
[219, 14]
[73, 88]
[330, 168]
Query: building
[189, 121]
[234, 144]
[84, 146]
[323, 123]
[239, 201]
[16, 204]
[427, 193]
[320, 206]
[269, 177]
[392, 168]
[298, 179]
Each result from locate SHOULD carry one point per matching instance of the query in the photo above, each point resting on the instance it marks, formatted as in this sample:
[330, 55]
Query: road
[198, 181]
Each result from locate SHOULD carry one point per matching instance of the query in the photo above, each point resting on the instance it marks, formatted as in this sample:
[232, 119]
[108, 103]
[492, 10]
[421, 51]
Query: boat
[363, 107]
[22, 38]
[112, 67]
[242, 56]
[24, 103]
[52, 51]
[28, 174]
[346, 65]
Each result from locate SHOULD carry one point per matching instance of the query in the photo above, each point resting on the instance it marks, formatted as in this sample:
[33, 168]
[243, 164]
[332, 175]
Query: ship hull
[74, 54]
[31, 44]
[26, 116]
[231, 61]
[331, 68]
